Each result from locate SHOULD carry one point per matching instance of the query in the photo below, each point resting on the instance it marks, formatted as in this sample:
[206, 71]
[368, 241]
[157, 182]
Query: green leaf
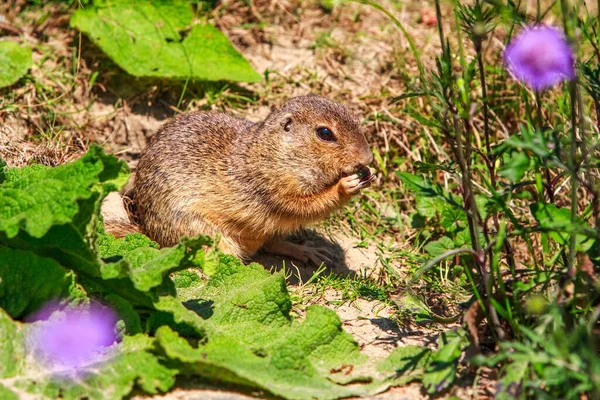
[485, 204]
[441, 371]
[440, 246]
[130, 363]
[297, 367]
[452, 218]
[12, 351]
[53, 245]
[109, 246]
[130, 318]
[407, 363]
[535, 141]
[238, 300]
[417, 184]
[2, 170]
[162, 39]
[429, 206]
[557, 221]
[34, 199]
[510, 386]
[7, 394]
[432, 199]
[28, 281]
[53, 212]
[462, 239]
[15, 61]
[515, 166]
[137, 257]
[251, 339]
[413, 304]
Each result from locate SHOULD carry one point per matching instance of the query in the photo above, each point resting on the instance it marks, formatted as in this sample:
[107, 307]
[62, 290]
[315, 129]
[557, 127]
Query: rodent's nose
[365, 157]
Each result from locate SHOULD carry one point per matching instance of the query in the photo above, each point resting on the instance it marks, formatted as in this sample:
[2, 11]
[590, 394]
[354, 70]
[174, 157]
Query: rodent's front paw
[351, 185]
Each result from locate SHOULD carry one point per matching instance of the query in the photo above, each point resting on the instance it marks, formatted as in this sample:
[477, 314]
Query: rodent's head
[320, 139]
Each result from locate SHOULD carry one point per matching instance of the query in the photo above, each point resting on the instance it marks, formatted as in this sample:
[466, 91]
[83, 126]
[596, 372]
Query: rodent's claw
[317, 255]
[304, 253]
[352, 184]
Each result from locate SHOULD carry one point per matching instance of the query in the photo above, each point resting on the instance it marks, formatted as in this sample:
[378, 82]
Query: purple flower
[72, 338]
[540, 57]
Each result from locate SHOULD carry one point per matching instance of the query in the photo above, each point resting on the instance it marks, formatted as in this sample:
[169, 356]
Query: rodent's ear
[286, 122]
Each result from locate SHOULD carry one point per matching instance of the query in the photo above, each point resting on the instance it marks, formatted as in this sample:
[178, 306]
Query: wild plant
[513, 101]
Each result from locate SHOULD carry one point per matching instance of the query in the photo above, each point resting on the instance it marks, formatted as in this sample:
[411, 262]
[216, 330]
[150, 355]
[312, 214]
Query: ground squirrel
[252, 183]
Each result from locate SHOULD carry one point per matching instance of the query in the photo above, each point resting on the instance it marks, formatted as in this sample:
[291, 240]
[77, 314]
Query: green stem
[486, 122]
[539, 121]
[573, 167]
[474, 223]
[438, 15]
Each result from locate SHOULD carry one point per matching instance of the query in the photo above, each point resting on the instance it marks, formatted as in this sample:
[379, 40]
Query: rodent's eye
[325, 134]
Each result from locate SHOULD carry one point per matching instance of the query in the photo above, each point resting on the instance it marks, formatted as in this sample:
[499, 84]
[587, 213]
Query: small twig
[255, 12]
[11, 29]
[405, 148]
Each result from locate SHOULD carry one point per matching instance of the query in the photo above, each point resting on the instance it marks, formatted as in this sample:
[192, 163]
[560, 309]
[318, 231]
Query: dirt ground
[353, 54]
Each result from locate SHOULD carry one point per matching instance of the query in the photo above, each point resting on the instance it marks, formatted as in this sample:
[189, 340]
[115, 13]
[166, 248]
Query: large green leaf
[129, 364]
[239, 315]
[301, 364]
[27, 281]
[12, 351]
[34, 199]
[53, 213]
[137, 258]
[15, 61]
[252, 340]
[161, 39]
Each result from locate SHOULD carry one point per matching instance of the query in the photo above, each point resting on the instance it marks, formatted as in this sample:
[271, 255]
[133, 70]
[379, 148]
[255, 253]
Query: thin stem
[490, 159]
[486, 122]
[598, 37]
[539, 124]
[474, 222]
[573, 167]
[464, 160]
[438, 15]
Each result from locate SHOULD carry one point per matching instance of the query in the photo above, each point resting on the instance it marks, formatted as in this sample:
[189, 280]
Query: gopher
[251, 183]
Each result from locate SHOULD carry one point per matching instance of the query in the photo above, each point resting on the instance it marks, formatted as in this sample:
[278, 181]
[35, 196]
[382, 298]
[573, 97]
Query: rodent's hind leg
[316, 255]
[229, 246]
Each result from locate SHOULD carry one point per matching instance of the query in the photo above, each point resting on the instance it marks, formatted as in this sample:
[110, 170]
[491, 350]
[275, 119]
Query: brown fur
[120, 229]
[212, 173]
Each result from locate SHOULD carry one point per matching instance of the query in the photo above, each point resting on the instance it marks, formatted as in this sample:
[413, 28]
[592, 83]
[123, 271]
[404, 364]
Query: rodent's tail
[120, 229]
